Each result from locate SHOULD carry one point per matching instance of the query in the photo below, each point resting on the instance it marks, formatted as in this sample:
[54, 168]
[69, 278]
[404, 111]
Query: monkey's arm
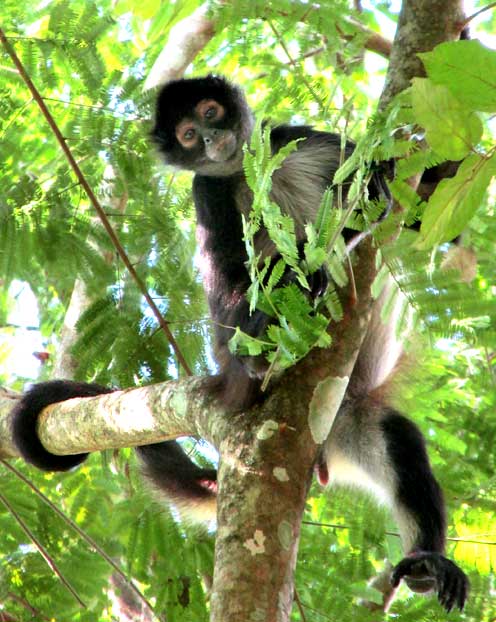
[226, 280]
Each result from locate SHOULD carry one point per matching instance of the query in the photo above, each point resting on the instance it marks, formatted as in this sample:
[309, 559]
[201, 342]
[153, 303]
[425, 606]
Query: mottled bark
[120, 419]
[422, 25]
[266, 467]
[7, 402]
[65, 365]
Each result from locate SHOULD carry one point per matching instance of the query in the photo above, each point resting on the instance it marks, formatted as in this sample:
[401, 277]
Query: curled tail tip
[25, 419]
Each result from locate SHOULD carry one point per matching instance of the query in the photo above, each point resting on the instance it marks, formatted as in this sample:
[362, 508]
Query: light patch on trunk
[285, 535]
[281, 474]
[326, 400]
[267, 430]
[256, 545]
[179, 402]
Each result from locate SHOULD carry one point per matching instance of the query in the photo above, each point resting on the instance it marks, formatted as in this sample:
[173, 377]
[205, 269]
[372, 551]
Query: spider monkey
[202, 124]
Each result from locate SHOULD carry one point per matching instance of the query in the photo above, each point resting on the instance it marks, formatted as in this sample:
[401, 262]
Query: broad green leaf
[468, 69]
[451, 129]
[455, 201]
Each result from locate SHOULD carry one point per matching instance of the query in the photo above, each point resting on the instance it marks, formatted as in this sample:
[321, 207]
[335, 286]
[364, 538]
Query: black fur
[426, 571]
[425, 568]
[172, 471]
[417, 489]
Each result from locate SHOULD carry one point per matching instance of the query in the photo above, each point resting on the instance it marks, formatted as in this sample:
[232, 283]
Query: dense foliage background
[89, 60]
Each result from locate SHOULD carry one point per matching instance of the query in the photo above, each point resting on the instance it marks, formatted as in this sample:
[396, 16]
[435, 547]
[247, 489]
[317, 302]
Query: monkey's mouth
[222, 149]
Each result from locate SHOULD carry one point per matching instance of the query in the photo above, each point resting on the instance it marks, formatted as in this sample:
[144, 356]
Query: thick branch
[121, 419]
[185, 41]
[422, 25]
[8, 400]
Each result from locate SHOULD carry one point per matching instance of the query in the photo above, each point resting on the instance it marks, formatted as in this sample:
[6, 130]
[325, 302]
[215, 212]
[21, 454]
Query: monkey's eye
[210, 110]
[186, 134]
[211, 113]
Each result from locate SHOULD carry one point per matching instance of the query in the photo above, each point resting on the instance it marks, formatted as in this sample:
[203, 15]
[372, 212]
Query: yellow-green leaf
[455, 201]
[451, 129]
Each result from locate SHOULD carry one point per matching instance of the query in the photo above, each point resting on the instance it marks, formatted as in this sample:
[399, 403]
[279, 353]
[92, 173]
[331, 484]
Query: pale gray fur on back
[297, 186]
[355, 451]
[381, 349]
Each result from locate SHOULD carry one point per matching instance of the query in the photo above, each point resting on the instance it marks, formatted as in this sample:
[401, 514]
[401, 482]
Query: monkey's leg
[376, 448]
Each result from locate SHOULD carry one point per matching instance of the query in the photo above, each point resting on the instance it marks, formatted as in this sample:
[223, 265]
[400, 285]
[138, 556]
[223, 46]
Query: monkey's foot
[427, 571]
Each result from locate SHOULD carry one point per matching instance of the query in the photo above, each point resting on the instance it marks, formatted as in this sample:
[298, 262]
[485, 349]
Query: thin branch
[294, 64]
[397, 535]
[79, 531]
[309, 54]
[300, 606]
[93, 199]
[467, 21]
[37, 615]
[374, 41]
[41, 549]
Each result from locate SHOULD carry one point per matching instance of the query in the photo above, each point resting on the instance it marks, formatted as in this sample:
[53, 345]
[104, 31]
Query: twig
[37, 615]
[293, 62]
[397, 535]
[299, 605]
[79, 531]
[41, 549]
[374, 42]
[93, 199]
[477, 13]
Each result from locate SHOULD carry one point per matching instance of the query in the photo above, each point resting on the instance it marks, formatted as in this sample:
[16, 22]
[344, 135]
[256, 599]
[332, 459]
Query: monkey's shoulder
[298, 185]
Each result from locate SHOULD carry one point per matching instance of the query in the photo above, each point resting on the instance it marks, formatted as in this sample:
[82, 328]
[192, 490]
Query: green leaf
[275, 276]
[451, 129]
[242, 343]
[455, 201]
[468, 69]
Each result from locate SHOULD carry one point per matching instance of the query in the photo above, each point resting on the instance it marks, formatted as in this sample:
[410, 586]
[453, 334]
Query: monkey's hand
[427, 571]
[318, 281]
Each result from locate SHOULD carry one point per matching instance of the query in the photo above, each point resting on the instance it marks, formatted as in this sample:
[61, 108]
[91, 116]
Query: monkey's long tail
[171, 471]
[190, 488]
[25, 420]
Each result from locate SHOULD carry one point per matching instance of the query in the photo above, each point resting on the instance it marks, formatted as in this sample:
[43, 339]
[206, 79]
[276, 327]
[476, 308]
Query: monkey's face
[204, 133]
[202, 124]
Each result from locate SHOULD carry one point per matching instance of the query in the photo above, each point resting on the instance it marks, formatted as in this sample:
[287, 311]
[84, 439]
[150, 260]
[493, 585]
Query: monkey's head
[201, 125]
